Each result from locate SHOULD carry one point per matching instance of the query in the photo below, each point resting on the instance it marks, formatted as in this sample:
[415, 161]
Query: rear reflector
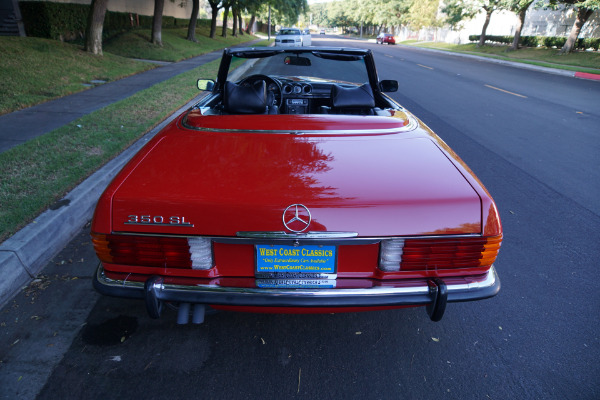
[154, 251]
[391, 255]
[435, 254]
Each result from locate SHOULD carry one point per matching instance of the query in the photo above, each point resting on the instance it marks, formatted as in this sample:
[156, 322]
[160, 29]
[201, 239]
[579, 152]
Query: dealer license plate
[296, 283]
[295, 262]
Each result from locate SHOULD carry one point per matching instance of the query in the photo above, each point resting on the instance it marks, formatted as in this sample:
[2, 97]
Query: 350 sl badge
[157, 220]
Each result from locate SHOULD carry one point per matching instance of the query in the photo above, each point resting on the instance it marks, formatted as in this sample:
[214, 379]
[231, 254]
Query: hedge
[546, 41]
[67, 22]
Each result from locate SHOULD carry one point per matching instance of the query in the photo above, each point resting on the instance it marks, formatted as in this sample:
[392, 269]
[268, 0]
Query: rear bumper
[397, 293]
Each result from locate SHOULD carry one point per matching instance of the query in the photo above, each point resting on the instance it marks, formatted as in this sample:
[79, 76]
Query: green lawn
[136, 44]
[585, 61]
[32, 70]
[41, 171]
[35, 70]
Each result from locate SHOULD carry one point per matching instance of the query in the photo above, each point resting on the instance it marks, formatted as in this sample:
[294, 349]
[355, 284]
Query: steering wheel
[274, 89]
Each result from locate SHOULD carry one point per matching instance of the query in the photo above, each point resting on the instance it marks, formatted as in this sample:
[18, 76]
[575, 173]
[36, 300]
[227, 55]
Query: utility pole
[269, 22]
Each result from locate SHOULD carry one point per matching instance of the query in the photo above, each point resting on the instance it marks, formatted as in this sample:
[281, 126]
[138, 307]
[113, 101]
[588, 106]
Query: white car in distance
[290, 37]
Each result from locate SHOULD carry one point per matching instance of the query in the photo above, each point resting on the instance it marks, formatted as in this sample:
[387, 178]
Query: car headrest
[246, 99]
[356, 97]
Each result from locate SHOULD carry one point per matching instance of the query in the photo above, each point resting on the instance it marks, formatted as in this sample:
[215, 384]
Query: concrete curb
[26, 253]
[585, 75]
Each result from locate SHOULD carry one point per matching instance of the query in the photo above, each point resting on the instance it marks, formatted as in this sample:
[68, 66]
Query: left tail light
[154, 251]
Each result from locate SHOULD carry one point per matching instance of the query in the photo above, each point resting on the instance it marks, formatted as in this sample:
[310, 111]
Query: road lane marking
[505, 91]
[387, 55]
[424, 66]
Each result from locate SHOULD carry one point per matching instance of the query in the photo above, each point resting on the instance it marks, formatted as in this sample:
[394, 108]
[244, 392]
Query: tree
[234, 13]
[157, 22]
[457, 11]
[423, 14]
[93, 31]
[241, 30]
[193, 19]
[584, 9]
[215, 5]
[520, 7]
[489, 6]
[252, 7]
[226, 5]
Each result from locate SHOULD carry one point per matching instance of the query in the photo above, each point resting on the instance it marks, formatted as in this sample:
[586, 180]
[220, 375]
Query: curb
[585, 75]
[26, 253]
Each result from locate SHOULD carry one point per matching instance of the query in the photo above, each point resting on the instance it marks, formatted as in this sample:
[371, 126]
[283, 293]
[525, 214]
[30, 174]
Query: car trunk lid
[221, 183]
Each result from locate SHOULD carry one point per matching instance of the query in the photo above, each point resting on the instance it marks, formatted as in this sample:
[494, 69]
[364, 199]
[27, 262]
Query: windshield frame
[325, 52]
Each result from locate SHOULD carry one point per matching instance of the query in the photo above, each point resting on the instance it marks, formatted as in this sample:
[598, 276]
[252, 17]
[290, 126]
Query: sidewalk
[23, 125]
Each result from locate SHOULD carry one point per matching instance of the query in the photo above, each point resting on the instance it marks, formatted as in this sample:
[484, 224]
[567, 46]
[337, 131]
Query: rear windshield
[289, 32]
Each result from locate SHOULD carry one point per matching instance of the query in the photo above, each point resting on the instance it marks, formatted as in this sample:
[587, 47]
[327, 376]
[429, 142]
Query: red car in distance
[385, 38]
[296, 185]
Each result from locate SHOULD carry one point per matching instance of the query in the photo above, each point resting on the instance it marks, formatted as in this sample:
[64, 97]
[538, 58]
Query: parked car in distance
[289, 37]
[296, 185]
[322, 32]
[385, 38]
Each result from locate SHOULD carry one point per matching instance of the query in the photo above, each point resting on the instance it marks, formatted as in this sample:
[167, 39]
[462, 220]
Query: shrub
[546, 41]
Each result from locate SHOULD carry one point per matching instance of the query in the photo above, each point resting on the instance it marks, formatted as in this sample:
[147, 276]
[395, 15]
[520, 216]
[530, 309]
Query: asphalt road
[538, 155]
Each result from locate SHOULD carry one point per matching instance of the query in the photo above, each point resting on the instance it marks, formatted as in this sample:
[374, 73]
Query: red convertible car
[296, 185]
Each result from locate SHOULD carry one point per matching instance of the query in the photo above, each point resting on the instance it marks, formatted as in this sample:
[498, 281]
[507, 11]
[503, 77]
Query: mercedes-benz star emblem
[296, 218]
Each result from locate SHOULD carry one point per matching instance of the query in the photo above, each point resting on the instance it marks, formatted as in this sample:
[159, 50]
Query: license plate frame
[278, 261]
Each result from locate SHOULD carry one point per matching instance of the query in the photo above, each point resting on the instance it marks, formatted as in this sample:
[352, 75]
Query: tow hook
[439, 294]
[153, 304]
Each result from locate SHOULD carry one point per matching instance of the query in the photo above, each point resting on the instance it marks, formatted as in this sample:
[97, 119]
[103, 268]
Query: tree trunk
[250, 27]
[93, 32]
[225, 18]
[582, 16]
[194, 18]
[240, 28]
[488, 16]
[515, 43]
[214, 6]
[235, 20]
[157, 22]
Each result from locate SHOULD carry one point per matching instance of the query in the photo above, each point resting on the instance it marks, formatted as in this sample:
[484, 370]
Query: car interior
[257, 96]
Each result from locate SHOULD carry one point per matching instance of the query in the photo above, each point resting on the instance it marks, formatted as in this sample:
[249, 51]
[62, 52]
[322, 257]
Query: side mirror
[388, 85]
[205, 84]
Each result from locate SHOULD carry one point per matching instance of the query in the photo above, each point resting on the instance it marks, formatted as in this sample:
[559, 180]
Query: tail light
[154, 251]
[436, 254]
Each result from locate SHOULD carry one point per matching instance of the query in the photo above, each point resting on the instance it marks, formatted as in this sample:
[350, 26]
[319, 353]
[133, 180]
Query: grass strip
[582, 61]
[37, 173]
[176, 47]
[34, 70]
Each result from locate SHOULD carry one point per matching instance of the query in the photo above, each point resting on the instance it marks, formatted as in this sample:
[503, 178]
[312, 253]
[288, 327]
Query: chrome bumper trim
[275, 297]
